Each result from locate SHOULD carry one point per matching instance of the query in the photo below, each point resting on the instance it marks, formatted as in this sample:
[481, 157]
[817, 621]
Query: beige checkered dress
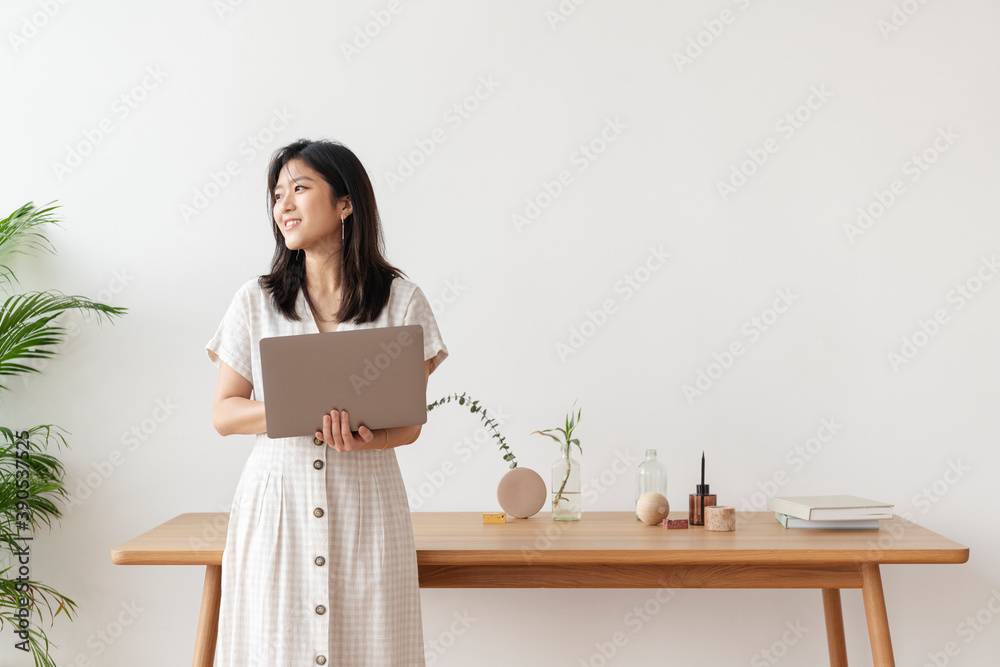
[320, 566]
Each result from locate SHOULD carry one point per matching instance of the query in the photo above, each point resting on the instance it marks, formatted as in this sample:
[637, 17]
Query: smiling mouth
[292, 223]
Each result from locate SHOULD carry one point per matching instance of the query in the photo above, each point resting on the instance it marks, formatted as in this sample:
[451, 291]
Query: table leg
[208, 620]
[834, 627]
[878, 621]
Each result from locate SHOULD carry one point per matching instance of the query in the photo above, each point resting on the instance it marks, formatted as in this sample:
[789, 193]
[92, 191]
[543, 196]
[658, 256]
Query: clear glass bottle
[651, 476]
[566, 501]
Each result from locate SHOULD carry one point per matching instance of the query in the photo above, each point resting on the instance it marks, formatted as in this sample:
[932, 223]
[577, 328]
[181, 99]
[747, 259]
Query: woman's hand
[337, 433]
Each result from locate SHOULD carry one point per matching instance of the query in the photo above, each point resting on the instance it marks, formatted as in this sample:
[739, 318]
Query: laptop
[377, 375]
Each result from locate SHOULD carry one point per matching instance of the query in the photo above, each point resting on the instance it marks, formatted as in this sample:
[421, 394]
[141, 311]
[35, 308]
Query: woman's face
[304, 209]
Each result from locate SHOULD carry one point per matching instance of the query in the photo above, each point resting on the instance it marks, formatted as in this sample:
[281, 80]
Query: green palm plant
[31, 480]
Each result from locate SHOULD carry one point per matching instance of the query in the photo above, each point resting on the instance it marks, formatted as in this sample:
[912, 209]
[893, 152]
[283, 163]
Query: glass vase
[566, 501]
[650, 477]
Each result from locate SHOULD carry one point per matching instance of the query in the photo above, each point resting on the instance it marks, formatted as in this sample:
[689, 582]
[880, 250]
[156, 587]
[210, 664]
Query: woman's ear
[348, 207]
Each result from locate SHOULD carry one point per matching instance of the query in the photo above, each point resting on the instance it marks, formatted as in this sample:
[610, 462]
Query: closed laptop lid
[376, 375]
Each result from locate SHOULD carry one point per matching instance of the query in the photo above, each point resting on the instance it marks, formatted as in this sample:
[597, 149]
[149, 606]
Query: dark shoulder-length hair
[366, 276]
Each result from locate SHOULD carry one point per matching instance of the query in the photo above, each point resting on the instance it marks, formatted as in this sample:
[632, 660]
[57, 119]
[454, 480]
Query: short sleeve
[418, 311]
[231, 342]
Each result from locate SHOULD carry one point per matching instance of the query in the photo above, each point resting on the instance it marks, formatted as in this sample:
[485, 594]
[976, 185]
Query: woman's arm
[233, 412]
[394, 437]
[409, 434]
[403, 435]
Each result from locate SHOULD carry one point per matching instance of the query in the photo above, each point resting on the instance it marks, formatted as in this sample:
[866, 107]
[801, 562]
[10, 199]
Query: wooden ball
[652, 508]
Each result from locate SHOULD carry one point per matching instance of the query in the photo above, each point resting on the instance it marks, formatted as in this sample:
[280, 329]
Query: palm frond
[38, 476]
[27, 330]
[19, 235]
[546, 432]
[11, 590]
[567, 440]
[41, 475]
[31, 480]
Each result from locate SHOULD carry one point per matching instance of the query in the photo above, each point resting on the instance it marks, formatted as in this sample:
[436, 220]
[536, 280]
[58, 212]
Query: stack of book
[842, 512]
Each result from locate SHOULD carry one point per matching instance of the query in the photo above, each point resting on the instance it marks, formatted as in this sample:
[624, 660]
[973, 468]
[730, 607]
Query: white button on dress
[300, 504]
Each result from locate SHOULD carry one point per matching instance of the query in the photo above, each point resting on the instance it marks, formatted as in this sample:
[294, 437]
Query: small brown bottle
[697, 502]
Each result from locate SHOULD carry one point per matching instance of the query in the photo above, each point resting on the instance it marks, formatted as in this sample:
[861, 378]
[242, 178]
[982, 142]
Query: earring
[341, 226]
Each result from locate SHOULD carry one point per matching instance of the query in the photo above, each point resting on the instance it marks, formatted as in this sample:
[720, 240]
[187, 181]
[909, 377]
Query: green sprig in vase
[567, 504]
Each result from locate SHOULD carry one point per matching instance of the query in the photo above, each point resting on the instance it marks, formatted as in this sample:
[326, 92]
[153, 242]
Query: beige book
[830, 508]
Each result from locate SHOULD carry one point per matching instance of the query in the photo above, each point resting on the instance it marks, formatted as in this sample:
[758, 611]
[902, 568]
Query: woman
[320, 565]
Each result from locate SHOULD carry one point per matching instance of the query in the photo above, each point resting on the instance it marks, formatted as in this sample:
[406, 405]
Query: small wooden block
[495, 517]
[720, 518]
[671, 524]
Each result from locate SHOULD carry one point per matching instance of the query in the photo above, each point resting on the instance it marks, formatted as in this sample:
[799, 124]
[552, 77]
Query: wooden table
[605, 550]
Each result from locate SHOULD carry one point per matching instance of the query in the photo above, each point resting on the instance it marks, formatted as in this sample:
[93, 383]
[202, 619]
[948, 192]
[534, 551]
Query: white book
[849, 524]
[830, 508]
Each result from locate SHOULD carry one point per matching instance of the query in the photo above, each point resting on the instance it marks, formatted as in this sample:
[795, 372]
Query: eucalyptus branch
[488, 421]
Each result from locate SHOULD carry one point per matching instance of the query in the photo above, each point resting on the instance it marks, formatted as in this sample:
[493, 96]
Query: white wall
[682, 129]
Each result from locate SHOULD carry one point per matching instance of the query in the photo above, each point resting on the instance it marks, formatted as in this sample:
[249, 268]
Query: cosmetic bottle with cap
[697, 502]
